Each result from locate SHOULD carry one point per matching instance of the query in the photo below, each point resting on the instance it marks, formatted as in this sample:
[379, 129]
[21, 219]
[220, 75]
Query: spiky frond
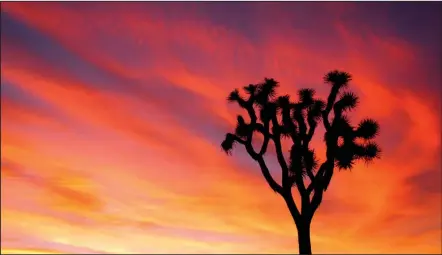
[228, 143]
[345, 157]
[359, 150]
[367, 129]
[296, 166]
[283, 101]
[250, 89]
[367, 152]
[337, 78]
[345, 163]
[242, 129]
[266, 91]
[347, 101]
[234, 96]
[306, 96]
[270, 85]
[310, 160]
[371, 151]
[289, 127]
[315, 110]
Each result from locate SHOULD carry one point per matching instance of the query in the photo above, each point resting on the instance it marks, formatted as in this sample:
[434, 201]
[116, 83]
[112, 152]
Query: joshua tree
[277, 117]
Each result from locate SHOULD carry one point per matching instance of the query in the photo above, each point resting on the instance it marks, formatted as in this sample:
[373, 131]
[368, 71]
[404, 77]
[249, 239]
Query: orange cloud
[129, 158]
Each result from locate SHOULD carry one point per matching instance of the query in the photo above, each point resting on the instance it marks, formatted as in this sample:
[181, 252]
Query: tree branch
[308, 138]
[294, 211]
[331, 99]
[302, 132]
[316, 200]
[330, 102]
[318, 186]
[298, 179]
[266, 173]
[237, 139]
[258, 156]
[325, 120]
[322, 179]
[279, 154]
[301, 122]
[264, 169]
[311, 130]
[325, 172]
[316, 179]
[311, 177]
[267, 137]
[288, 123]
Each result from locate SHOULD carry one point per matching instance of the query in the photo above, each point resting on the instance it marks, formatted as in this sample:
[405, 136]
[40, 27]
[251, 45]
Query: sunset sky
[112, 117]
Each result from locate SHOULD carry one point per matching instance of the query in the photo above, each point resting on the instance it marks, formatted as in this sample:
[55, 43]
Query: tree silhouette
[281, 118]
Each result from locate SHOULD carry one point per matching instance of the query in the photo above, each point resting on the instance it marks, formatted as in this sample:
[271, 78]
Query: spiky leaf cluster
[315, 110]
[228, 143]
[299, 119]
[302, 161]
[306, 96]
[347, 101]
[337, 78]
[242, 128]
[351, 150]
[250, 89]
[367, 129]
[266, 91]
[234, 96]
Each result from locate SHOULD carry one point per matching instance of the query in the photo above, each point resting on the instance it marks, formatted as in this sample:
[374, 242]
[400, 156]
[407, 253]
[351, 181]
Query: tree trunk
[304, 238]
[302, 224]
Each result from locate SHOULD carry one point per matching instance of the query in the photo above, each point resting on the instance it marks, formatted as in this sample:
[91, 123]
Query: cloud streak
[112, 118]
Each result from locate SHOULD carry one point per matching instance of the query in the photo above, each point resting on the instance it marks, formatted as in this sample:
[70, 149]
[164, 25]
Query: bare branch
[311, 176]
[294, 211]
[266, 173]
[311, 132]
[331, 99]
[318, 186]
[316, 179]
[316, 200]
[267, 137]
[325, 120]
[264, 169]
[251, 112]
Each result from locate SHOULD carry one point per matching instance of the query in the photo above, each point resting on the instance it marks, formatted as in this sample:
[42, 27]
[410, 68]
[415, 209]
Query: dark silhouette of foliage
[278, 117]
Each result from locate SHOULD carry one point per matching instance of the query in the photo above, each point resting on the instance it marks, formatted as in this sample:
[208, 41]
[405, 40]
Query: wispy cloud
[112, 117]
